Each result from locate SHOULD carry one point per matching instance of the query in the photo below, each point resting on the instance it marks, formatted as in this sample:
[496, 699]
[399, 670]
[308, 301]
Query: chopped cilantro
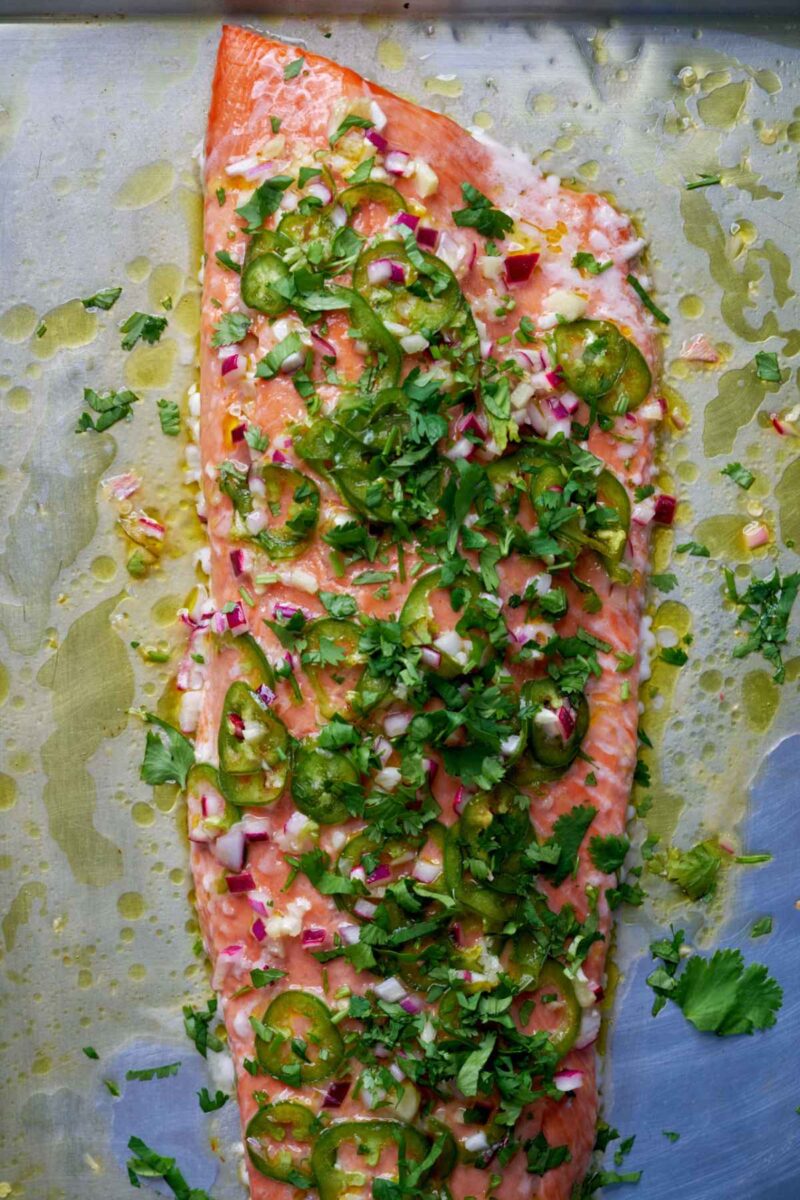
[767, 366]
[275, 124]
[673, 655]
[151, 1165]
[362, 171]
[696, 549]
[271, 363]
[647, 301]
[703, 181]
[695, 871]
[587, 262]
[232, 328]
[542, 1157]
[568, 834]
[766, 606]
[220, 194]
[210, 1103]
[739, 474]
[105, 299]
[112, 407]
[293, 69]
[664, 583]
[761, 927]
[145, 1074]
[112, 1087]
[479, 213]
[264, 201]
[338, 605]
[169, 415]
[670, 1135]
[142, 327]
[197, 1025]
[350, 122]
[608, 853]
[90, 1052]
[227, 260]
[263, 976]
[168, 755]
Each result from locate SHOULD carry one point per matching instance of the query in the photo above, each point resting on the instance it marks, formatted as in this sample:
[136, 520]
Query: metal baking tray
[99, 121]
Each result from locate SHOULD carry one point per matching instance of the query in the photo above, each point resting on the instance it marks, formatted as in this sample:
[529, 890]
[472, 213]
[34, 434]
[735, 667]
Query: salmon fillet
[574, 600]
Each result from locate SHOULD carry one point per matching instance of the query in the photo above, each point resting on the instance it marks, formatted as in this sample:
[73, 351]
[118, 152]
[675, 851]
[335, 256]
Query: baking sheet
[98, 124]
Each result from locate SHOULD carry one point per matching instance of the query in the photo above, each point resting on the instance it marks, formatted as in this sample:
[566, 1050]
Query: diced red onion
[255, 829]
[265, 695]
[570, 402]
[237, 726]
[152, 528]
[518, 267]
[229, 849]
[665, 509]
[283, 611]
[239, 562]
[258, 929]
[122, 486]
[381, 873]
[430, 764]
[336, 1093]
[476, 1142]
[462, 448]
[313, 937]
[643, 512]
[258, 905]
[236, 618]
[568, 1080]
[590, 1027]
[558, 410]
[321, 191]
[396, 162]
[778, 424]
[425, 871]
[460, 799]
[566, 718]
[431, 657]
[212, 806]
[328, 349]
[376, 139]
[349, 934]
[233, 365]
[383, 749]
[201, 836]
[390, 989]
[279, 457]
[427, 237]
[471, 422]
[365, 909]
[338, 216]
[241, 882]
[233, 951]
[406, 218]
[385, 270]
[396, 723]
[412, 1004]
[755, 534]
[238, 432]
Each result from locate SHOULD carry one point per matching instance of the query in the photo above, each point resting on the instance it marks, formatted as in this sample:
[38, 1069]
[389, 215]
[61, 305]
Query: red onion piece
[412, 1004]
[460, 799]
[258, 929]
[431, 657]
[472, 423]
[557, 409]
[427, 237]
[336, 1093]
[568, 1081]
[258, 905]
[313, 937]
[283, 611]
[328, 349]
[365, 909]
[430, 764]
[265, 695]
[408, 219]
[665, 509]
[241, 882]
[390, 989]
[380, 873]
[396, 162]
[232, 364]
[425, 871]
[566, 718]
[462, 448]
[229, 849]
[376, 139]
[279, 457]
[385, 270]
[555, 378]
[590, 1027]
[778, 424]
[238, 562]
[518, 267]
[236, 618]
[396, 723]
[238, 432]
[321, 191]
[237, 726]
[212, 806]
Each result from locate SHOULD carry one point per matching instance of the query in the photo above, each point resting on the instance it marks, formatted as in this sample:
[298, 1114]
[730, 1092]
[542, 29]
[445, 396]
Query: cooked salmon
[427, 398]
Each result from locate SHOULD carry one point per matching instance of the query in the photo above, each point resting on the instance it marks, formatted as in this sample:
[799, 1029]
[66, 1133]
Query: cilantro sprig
[766, 606]
[480, 214]
[142, 327]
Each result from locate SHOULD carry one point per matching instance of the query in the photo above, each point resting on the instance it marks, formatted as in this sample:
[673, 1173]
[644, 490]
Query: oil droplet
[768, 81]
[444, 85]
[146, 186]
[589, 170]
[18, 323]
[691, 307]
[687, 471]
[103, 568]
[564, 142]
[483, 120]
[542, 104]
[143, 814]
[787, 493]
[739, 394]
[84, 978]
[151, 366]
[723, 536]
[138, 269]
[186, 316]
[67, 327]
[793, 131]
[8, 792]
[130, 906]
[177, 875]
[126, 935]
[18, 399]
[4, 683]
[722, 107]
[760, 698]
[41, 1065]
[136, 972]
[164, 611]
[391, 55]
[33, 371]
[165, 281]
[711, 681]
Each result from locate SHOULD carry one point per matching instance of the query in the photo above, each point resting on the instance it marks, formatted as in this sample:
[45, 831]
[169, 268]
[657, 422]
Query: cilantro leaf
[587, 262]
[362, 171]
[673, 655]
[112, 407]
[232, 328]
[469, 1072]
[271, 363]
[696, 549]
[151, 1165]
[703, 181]
[761, 927]
[144, 1074]
[767, 366]
[197, 1025]
[168, 755]
[647, 300]
[720, 995]
[664, 583]
[169, 414]
[105, 299]
[338, 605]
[264, 201]
[210, 1103]
[263, 976]
[739, 474]
[90, 1052]
[542, 1157]
[608, 853]
[695, 871]
[479, 213]
[568, 833]
[227, 260]
[350, 122]
[142, 327]
[766, 606]
[293, 69]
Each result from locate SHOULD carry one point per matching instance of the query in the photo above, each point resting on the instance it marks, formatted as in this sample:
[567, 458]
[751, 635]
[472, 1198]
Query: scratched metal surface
[98, 122]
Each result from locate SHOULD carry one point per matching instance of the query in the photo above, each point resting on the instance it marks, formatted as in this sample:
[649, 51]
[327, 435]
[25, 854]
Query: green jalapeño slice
[253, 746]
[298, 1042]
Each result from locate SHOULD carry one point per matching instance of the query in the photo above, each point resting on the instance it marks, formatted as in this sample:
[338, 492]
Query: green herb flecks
[169, 416]
[111, 407]
[766, 606]
[142, 327]
[105, 299]
[480, 214]
[647, 300]
[168, 755]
